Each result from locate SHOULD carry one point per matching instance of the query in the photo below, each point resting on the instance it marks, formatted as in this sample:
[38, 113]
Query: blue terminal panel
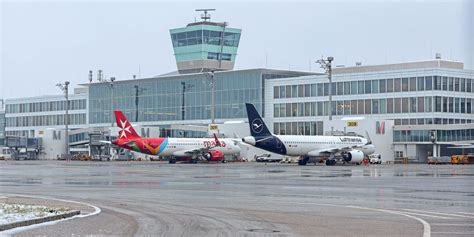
[205, 43]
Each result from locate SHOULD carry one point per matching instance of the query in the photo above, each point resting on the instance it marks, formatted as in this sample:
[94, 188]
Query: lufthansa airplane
[350, 149]
[197, 148]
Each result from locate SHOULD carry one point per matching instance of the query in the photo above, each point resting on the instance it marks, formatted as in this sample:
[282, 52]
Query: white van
[375, 159]
[5, 153]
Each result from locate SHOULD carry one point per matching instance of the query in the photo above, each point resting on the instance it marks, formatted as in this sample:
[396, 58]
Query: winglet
[218, 143]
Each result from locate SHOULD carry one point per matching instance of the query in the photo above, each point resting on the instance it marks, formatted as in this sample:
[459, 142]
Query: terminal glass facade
[2, 125]
[456, 135]
[24, 116]
[44, 112]
[47, 106]
[387, 85]
[395, 97]
[45, 120]
[159, 100]
[383, 106]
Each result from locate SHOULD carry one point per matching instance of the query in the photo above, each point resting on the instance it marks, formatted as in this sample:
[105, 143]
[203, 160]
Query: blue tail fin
[258, 128]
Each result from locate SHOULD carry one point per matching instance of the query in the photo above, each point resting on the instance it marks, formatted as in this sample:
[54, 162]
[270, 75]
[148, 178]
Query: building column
[435, 150]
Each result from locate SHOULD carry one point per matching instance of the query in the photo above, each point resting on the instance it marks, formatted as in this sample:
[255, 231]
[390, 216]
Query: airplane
[206, 149]
[349, 149]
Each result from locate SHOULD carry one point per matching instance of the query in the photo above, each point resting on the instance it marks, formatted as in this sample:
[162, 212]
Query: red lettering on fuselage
[212, 143]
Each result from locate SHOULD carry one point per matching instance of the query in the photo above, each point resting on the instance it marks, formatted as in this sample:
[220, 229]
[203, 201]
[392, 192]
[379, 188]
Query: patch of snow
[10, 213]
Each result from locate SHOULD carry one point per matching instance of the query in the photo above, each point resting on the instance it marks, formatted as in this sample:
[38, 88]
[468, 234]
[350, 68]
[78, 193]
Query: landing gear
[172, 160]
[330, 162]
[303, 161]
[194, 161]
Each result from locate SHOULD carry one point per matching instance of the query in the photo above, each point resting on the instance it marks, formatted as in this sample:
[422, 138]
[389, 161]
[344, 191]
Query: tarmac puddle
[275, 171]
[263, 231]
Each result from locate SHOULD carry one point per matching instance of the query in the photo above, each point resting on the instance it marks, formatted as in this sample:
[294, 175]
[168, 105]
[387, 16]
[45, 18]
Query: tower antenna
[205, 16]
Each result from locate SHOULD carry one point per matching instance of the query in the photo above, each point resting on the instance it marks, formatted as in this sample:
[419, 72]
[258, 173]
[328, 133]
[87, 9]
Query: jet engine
[207, 156]
[214, 155]
[354, 156]
[249, 140]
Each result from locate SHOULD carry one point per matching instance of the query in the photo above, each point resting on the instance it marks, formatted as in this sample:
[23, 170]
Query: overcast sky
[43, 43]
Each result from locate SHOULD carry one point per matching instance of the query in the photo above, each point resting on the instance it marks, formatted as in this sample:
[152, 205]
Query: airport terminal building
[418, 109]
[430, 102]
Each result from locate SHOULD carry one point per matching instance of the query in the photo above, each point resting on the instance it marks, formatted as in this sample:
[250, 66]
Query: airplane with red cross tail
[206, 149]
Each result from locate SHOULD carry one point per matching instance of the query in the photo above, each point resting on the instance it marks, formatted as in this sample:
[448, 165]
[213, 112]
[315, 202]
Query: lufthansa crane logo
[257, 125]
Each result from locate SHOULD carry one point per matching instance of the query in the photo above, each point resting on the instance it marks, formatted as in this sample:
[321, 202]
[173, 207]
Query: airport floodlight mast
[212, 83]
[65, 87]
[326, 65]
[205, 16]
[137, 92]
[112, 79]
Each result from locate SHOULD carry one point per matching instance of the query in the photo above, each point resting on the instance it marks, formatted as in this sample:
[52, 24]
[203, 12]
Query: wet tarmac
[251, 199]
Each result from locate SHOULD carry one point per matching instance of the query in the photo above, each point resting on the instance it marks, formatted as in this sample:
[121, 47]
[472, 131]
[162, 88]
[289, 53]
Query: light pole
[212, 83]
[326, 65]
[112, 79]
[185, 88]
[65, 87]
[137, 91]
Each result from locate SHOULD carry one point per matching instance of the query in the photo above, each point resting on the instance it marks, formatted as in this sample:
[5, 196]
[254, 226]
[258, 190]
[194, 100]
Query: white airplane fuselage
[304, 145]
[178, 146]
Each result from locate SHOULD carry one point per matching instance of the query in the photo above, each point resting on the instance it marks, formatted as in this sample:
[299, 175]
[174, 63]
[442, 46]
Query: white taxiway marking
[439, 213]
[97, 210]
[426, 225]
[467, 213]
[455, 233]
[452, 224]
[426, 215]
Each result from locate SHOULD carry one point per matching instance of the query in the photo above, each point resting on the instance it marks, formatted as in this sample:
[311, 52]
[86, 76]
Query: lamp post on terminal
[185, 88]
[138, 90]
[65, 87]
[326, 65]
[212, 83]
[112, 79]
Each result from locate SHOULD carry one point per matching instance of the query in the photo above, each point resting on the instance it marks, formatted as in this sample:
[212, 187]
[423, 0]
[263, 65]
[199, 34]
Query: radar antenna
[205, 16]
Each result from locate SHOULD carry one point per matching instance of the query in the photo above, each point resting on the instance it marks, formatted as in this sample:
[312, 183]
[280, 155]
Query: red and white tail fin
[218, 143]
[127, 130]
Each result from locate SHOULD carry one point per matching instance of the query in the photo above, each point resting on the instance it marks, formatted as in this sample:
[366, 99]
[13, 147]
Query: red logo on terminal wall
[380, 127]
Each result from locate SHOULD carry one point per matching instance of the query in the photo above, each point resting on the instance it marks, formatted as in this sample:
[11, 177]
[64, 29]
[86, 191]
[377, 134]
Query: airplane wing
[198, 150]
[192, 152]
[329, 151]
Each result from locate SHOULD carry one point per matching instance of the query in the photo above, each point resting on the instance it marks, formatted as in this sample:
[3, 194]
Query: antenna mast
[205, 16]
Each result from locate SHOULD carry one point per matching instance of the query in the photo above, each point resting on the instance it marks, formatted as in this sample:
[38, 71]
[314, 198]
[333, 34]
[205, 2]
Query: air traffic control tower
[205, 46]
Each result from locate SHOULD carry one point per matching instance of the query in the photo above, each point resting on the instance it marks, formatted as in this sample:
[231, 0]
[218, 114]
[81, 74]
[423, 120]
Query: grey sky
[43, 43]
